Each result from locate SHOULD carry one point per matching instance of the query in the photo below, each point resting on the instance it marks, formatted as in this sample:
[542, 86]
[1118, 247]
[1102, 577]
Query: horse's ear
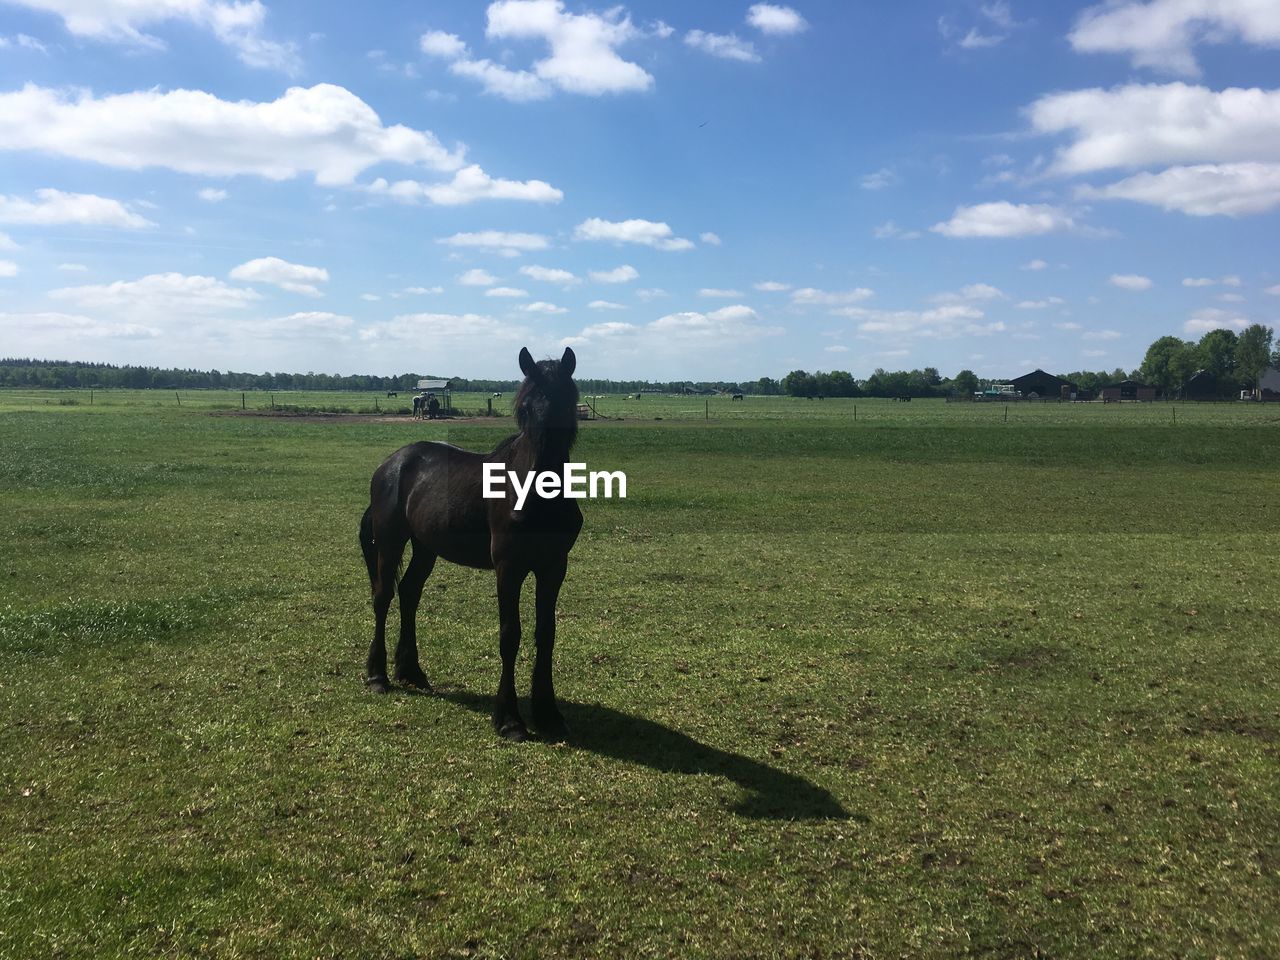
[569, 362]
[527, 365]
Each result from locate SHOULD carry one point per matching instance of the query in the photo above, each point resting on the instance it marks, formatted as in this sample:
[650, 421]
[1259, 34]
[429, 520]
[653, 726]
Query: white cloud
[975, 40]
[623, 274]
[606, 305]
[7, 242]
[237, 24]
[418, 291]
[771, 286]
[550, 275]
[1147, 124]
[837, 348]
[728, 324]
[437, 43]
[541, 306]
[945, 321]
[212, 195]
[477, 278]
[710, 239]
[775, 19]
[160, 296]
[884, 177]
[1274, 291]
[294, 277]
[644, 232]
[1197, 282]
[454, 331]
[1231, 298]
[325, 130]
[969, 293]
[8, 268]
[47, 330]
[24, 41]
[370, 297]
[650, 293]
[716, 292]
[1069, 325]
[1162, 33]
[1101, 335]
[583, 56]
[891, 231]
[813, 296]
[468, 185]
[1040, 304]
[1206, 190]
[1231, 281]
[1004, 219]
[1202, 321]
[496, 240]
[56, 207]
[72, 267]
[518, 86]
[1034, 265]
[513, 292]
[1130, 281]
[304, 325]
[726, 46]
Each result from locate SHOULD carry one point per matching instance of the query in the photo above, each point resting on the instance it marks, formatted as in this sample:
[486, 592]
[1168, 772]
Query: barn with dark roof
[1037, 384]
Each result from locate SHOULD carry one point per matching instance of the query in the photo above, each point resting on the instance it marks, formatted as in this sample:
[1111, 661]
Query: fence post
[175, 393]
[707, 409]
[1006, 413]
[489, 401]
[91, 398]
[855, 411]
[242, 401]
[273, 401]
[375, 406]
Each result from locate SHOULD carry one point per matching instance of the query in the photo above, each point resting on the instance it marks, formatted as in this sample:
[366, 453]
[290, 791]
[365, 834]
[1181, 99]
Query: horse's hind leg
[383, 586]
[408, 669]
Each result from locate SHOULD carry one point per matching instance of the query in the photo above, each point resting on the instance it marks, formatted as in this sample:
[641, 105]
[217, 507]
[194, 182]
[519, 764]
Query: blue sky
[677, 190]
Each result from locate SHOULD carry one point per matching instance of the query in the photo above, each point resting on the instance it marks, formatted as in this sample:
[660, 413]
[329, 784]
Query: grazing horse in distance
[737, 396]
[419, 405]
[431, 495]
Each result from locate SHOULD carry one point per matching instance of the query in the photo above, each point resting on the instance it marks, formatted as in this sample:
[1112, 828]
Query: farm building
[1037, 383]
[1269, 384]
[1202, 385]
[1128, 390]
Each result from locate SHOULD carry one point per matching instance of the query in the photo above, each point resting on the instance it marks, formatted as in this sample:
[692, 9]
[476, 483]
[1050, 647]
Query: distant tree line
[1233, 360]
[61, 374]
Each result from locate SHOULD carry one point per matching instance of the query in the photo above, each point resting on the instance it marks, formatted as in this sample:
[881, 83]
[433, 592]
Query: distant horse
[738, 396]
[392, 393]
[431, 494]
[419, 406]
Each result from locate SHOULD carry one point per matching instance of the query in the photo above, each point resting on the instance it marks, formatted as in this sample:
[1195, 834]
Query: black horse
[431, 494]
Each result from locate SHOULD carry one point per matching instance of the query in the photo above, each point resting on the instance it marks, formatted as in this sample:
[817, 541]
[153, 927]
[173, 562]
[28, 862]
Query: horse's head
[547, 402]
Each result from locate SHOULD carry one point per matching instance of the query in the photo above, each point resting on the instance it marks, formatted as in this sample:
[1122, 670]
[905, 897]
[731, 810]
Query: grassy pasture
[923, 684]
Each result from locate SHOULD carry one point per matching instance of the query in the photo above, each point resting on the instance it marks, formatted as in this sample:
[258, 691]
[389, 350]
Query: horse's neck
[525, 455]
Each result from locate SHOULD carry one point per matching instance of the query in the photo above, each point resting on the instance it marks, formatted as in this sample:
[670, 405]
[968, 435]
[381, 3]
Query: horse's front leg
[546, 715]
[506, 713]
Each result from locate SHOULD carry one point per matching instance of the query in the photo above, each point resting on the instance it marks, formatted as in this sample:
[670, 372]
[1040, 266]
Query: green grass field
[926, 683]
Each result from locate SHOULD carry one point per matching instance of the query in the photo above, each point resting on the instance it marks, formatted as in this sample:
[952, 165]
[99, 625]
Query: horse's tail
[367, 545]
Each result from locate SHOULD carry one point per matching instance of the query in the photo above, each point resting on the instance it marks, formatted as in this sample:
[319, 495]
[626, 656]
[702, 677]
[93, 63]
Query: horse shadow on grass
[771, 794]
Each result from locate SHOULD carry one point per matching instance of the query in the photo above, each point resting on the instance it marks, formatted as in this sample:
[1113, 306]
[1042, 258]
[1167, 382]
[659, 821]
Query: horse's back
[436, 488]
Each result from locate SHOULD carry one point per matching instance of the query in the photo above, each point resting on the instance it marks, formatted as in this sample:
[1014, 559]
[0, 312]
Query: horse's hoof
[377, 684]
[513, 730]
[552, 729]
[413, 678]
[554, 732]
